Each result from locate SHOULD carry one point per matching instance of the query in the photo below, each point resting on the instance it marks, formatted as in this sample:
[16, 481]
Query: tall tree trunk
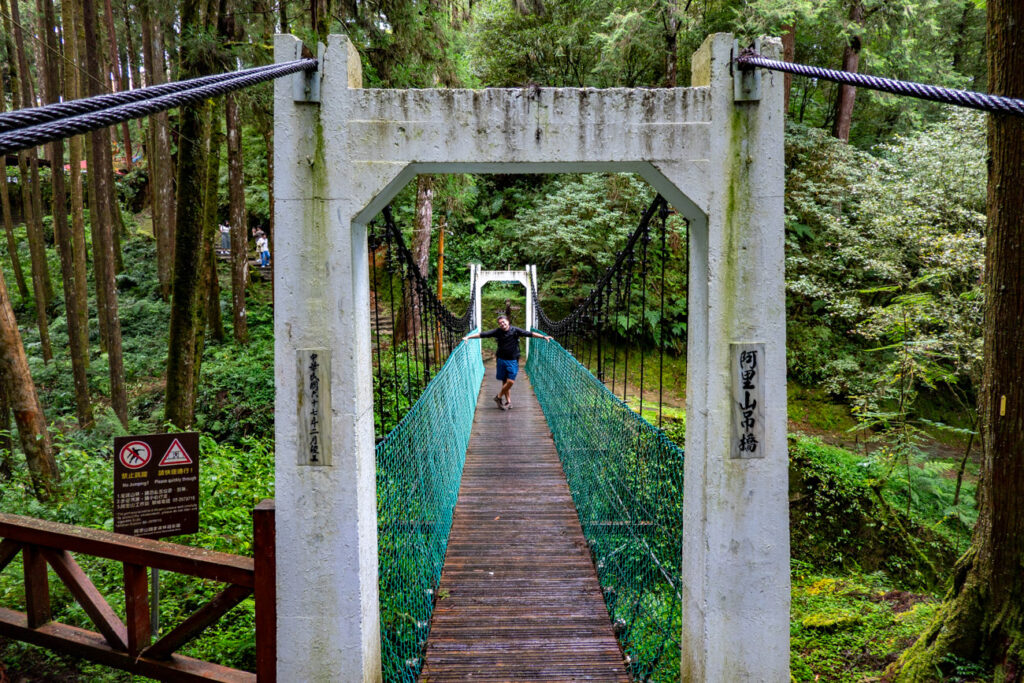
[670, 20]
[62, 234]
[12, 244]
[28, 167]
[409, 324]
[788, 54]
[37, 250]
[211, 281]
[983, 617]
[5, 199]
[161, 174]
[6, 441]
[103, 242]
[851, 62]
[72, 90]
[187, 298]
[24, 402]
[86, 86]
[116, 78]
[130, 74]
[236, 195]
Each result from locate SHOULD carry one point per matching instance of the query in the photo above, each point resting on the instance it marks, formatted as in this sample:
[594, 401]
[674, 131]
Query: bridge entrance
[714, 151]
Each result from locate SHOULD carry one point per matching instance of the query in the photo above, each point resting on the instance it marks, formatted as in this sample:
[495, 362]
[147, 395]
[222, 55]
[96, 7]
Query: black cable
[31, 136]
[23, 118]
[749, 59]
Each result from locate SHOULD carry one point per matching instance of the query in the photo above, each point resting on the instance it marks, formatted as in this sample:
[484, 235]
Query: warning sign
[175, 455]
[135, 454]
[156, 497]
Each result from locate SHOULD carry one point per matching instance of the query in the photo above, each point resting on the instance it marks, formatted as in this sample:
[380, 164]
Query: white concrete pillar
[736, 524]
[529, 305]
[478, 291]
[328, 623]
[531, 279]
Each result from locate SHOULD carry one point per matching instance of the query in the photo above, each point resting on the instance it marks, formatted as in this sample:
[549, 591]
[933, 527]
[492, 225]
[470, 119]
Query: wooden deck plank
[521, 600]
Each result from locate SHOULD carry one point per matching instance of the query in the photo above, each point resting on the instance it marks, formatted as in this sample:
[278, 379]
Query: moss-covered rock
[830, 623]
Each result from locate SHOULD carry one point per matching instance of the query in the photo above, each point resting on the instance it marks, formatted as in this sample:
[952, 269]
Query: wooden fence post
[37, 587]
[265, 593]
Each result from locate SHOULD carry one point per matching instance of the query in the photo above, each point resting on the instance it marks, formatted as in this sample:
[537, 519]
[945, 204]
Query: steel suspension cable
[38, 134]
[749, 59]
[22, 118]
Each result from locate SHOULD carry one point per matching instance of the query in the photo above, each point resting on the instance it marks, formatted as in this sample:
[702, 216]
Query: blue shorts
[507, 369]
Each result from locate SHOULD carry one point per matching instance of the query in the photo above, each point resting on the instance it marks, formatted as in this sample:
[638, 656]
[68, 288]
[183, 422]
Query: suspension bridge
[424, 532]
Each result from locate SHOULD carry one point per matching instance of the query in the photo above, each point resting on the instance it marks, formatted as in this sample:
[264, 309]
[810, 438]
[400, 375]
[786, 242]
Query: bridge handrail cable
[99, 113]
[749, 59]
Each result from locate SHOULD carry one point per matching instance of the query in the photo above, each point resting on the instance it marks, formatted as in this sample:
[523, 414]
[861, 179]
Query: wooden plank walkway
[519, 599]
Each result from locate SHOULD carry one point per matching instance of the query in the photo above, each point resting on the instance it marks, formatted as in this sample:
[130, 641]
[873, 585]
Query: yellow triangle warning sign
[175, 455]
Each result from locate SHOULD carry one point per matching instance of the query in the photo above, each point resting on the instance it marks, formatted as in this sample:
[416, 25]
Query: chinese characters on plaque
[747, 400]
[314, 406]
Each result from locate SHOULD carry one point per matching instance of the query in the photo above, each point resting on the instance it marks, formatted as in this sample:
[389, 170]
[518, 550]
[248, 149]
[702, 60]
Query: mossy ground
[848, 627]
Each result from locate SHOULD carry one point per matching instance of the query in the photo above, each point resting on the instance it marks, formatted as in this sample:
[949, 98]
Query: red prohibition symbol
[135, 454]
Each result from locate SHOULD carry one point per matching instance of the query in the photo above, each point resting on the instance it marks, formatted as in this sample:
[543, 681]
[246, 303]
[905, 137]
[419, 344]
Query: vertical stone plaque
[314, 406]
[747, 400]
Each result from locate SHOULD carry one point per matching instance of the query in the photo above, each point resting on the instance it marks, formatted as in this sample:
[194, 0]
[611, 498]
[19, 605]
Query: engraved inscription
[747, 400]
[314, 406]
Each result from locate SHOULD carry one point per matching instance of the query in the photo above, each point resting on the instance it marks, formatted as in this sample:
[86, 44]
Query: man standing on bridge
[508, 355]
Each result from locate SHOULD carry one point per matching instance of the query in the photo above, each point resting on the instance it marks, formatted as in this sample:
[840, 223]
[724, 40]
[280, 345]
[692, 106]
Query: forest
[133, 299]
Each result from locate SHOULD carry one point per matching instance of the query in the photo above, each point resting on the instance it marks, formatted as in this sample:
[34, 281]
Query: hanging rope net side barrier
[425, 390]
[750, 59]
[38, 125]
[626, 479]
[625, 474]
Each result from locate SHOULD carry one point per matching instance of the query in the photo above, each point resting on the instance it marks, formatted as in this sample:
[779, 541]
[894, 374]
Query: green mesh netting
[626, 479]
[419, 467]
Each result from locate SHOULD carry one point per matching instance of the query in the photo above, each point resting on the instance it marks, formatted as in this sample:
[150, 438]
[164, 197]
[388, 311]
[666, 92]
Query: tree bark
[102, 229]
[6, 442]
[28, 167]
[117, 78]
[72, 90]
[161, 174]
[24, 402]
[12, 244]
[50, 77]
[5, 199]
[983, 616]
[211, 280]
[187, 298]
[851, 62]
[788, 54]
[37, 251]
[670, 20]
[236, 195]
[410, 320]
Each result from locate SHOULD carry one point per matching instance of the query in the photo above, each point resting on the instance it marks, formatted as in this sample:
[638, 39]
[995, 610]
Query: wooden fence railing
[128, 644]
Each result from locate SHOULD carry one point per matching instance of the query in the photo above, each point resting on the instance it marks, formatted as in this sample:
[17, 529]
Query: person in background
[225, 238]
[263, 249]
[508, 356]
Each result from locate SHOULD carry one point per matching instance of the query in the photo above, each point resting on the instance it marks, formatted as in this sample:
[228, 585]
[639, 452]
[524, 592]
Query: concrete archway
[714, 151]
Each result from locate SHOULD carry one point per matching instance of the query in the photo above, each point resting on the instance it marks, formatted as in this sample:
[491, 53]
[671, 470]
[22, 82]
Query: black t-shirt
[508, 341]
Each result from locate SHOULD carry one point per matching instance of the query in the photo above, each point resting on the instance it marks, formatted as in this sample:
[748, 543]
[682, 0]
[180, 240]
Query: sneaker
[497, 399]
